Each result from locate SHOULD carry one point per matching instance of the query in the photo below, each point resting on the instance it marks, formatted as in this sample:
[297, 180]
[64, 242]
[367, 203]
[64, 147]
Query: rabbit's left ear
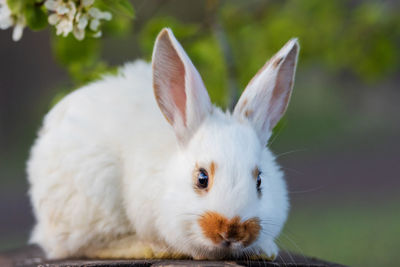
[267, 95]
[178, 87]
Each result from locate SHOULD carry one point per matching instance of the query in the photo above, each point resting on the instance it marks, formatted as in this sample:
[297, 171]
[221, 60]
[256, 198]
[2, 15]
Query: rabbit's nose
[223, 231]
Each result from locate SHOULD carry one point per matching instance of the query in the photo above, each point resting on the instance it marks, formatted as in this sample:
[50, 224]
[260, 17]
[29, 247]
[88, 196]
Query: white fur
[109, 177]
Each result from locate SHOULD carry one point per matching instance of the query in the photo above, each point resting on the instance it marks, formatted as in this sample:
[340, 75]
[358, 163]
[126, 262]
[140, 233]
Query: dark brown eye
[259, 180]
[202, 179]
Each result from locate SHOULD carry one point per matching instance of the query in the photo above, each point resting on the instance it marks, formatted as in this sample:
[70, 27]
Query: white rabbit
[109, 176]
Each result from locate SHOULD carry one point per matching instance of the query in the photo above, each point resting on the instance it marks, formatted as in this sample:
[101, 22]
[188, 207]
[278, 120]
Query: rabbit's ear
[266, 97]
[178, 87]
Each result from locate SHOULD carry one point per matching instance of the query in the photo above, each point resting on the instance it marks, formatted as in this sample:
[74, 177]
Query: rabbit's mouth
[229, 234]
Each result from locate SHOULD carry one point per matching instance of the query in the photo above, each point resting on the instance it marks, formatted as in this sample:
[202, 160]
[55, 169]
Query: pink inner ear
[177, 85]
[283, 88]
[169, 79]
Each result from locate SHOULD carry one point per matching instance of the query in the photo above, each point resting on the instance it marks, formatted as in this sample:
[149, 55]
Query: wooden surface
[33, 256]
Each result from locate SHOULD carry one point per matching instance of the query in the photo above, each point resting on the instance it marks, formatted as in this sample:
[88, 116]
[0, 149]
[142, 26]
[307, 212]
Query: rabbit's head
[224, 195]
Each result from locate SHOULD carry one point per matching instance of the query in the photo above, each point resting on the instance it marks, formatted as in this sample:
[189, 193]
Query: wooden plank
[32, 256]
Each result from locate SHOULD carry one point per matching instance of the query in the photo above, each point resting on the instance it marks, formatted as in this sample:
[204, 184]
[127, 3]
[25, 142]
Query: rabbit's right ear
[266, 97]
[178, 87]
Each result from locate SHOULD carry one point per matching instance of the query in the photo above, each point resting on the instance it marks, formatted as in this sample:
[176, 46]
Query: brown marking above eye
[255, 173]
[218, 228]
[211, 174]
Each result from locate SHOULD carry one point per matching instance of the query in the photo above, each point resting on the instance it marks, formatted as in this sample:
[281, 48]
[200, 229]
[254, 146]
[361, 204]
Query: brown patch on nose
[252, 230]
[218, 228]
[212, 224]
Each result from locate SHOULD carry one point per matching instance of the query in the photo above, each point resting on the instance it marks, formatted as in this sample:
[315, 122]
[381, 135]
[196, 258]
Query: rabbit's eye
[202, 178]
[259, 180]
[257, 177]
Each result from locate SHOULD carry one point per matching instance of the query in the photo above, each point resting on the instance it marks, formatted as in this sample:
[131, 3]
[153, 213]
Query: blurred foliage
[35, 15]
[356, 39]
[235, 38]
[359, 39]
[82, 59]
[346, 233]
[73, 20]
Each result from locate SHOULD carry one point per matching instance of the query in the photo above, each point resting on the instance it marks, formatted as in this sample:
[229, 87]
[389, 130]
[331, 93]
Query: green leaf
[16, 6]
[119, 26]
[80, 58]
[69, 51]
[126, 7]
[36, 17]
[149, 32]
[123, 7]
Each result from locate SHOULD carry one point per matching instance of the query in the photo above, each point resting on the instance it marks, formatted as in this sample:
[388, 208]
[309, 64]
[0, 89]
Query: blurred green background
[338, 143]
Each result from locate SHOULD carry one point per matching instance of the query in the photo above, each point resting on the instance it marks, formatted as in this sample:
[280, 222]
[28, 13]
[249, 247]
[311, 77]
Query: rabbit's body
[78, 168]
[110, 177]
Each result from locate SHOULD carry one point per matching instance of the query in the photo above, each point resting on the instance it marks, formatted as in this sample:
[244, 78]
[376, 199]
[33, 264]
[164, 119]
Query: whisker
[286, 251]
[277, 134]
[293, 170]
[290, 152]
[299, 250]
[307, 190]
[283, 261]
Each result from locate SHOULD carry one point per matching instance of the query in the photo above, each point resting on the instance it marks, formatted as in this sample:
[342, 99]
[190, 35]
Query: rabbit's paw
[129, 252]
[170, 255]
[263, 256]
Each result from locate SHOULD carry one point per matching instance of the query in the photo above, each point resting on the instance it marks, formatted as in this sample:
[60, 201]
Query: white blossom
[67, 16]
[64, 27]
[87, 3]
[51, 5]
[53, 19]
[7, 20]
[63, 16]
[94, 24]
[97, 34]
[98, 14]
[78, 33]
[83, 21]
[18, 29]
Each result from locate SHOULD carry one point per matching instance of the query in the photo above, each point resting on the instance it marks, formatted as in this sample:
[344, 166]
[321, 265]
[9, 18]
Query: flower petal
[53, 19]
[62, 9]
[78, 33]
[106, 15]
[83, 22]
[17, 32]
[51, 5]
[95, 13]
[87, 3]
[97, 34]
[94, 24]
